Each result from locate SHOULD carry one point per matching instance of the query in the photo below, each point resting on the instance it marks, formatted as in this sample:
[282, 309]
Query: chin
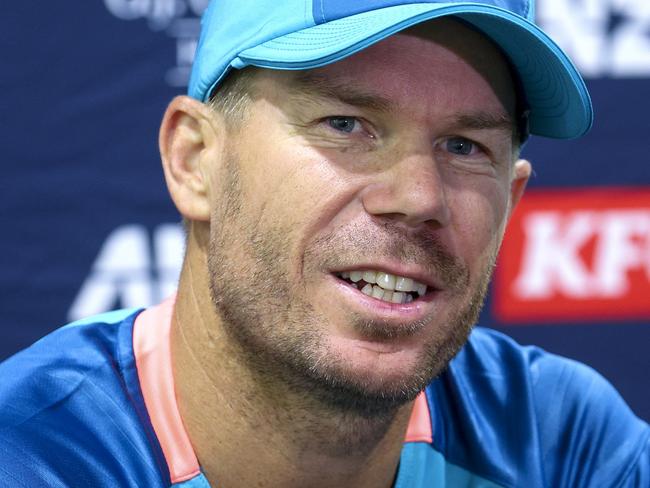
[368, 380]
[366, 395]
[379, 363]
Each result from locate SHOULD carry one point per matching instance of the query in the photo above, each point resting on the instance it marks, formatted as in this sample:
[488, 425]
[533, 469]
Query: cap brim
[556, 94]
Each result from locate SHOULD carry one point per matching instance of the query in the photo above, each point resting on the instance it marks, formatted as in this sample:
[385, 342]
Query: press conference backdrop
[87, 225]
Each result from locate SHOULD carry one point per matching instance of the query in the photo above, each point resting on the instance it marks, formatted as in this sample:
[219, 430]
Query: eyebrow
[310, 85]
[483, 121]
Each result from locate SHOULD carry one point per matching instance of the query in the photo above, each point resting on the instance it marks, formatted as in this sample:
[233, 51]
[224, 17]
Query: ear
[520, 175]
[190, 141]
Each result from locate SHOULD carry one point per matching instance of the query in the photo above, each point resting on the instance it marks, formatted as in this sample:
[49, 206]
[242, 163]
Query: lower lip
[413, 310]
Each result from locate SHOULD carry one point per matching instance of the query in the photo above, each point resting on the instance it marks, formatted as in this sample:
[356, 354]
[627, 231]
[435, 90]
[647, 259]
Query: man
[346, 172]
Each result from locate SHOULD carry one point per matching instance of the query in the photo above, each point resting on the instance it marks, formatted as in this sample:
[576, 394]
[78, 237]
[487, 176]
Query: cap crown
[243, 24]
[328, 10]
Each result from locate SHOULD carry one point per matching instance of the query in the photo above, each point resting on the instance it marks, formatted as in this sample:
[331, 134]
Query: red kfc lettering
[576, 255]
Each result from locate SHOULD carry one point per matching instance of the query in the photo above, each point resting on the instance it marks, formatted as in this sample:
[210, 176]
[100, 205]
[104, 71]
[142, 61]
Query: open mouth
[384, 286]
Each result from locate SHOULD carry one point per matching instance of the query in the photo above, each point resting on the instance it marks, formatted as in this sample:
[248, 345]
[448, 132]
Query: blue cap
[304, 34]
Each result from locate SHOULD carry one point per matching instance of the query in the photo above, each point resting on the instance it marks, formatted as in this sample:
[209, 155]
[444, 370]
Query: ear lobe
[521, 174]
[186, 137]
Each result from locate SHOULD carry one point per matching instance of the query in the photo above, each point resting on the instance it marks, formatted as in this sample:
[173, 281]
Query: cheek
[293, 187]
[286, 179]
[478, 219]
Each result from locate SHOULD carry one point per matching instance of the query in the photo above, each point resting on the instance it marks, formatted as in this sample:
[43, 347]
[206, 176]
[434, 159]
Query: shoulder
[528, 417]
[550, 383]
[69, 409]
[53, 367]
[492, 355]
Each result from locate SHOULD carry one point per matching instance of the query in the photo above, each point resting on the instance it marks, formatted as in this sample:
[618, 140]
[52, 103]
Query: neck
[249, 429]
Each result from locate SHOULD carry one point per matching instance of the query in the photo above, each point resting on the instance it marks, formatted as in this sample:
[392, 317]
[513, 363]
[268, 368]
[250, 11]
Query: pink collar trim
[152, 350]
[151, 346]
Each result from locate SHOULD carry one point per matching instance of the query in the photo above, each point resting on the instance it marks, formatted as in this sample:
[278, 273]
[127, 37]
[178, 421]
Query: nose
[411, 191]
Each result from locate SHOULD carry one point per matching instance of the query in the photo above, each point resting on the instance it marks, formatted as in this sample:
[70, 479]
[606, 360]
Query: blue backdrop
[86, 221]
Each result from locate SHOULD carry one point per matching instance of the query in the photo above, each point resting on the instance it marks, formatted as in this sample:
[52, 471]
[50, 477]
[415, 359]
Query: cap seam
[322, 11]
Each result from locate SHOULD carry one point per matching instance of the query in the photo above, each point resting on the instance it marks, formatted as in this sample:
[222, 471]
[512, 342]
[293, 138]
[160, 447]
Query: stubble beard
[275, 329]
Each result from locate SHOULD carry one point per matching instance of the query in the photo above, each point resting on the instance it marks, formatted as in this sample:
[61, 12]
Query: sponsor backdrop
[87, 225]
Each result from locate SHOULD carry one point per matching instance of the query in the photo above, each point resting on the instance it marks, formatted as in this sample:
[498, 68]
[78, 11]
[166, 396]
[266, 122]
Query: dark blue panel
[614, 153]
[82, 94]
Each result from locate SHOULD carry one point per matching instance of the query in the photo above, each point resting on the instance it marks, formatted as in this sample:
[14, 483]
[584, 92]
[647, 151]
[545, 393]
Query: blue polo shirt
[93, 404]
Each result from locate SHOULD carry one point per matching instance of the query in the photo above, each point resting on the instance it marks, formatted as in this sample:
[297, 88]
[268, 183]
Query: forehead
[441, 61]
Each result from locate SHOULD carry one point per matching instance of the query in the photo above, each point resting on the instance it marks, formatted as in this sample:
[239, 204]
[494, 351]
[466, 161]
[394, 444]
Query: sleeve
[589, 436]
[70, 414]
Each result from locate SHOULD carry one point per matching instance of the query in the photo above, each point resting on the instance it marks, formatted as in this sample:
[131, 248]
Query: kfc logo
[576, 255]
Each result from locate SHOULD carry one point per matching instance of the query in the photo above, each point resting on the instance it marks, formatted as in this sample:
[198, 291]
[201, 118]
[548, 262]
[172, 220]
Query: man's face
[394, 166]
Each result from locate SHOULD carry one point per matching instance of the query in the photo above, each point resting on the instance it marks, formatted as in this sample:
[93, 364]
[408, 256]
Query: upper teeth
[386, 281]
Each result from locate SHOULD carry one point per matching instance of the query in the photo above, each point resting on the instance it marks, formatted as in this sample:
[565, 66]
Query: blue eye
[342, 124]
[460, 146]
